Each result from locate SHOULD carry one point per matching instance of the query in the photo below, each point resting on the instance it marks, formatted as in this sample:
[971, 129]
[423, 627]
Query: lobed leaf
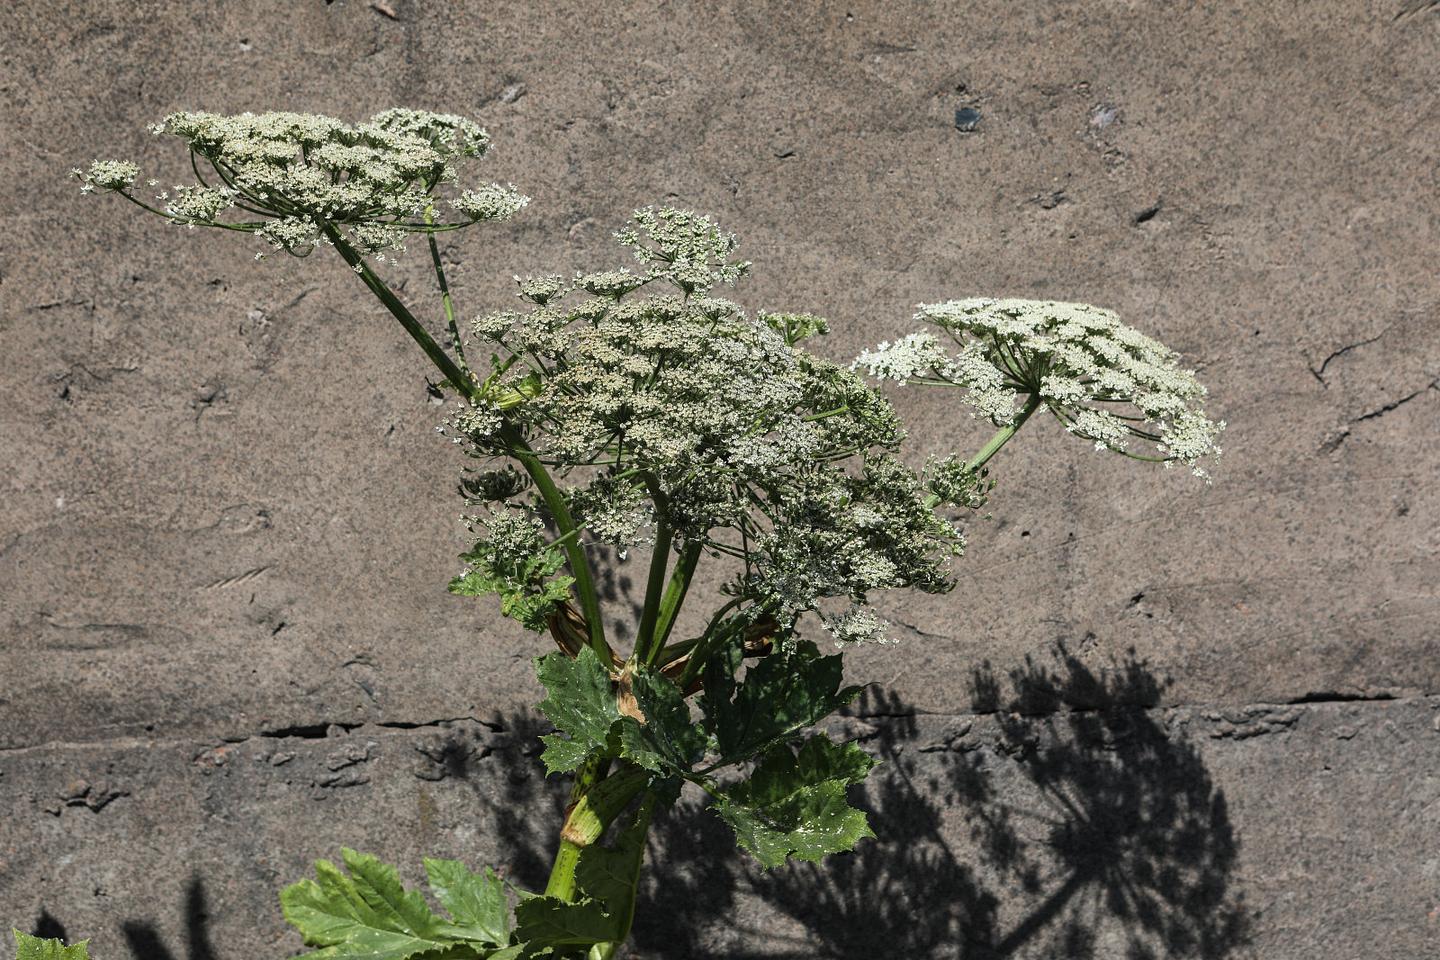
[668, 742]
[782, 694]
[580, 703]
[528, 595]
[550, 922]
[367, 914]
[794, 805]
[475, 901]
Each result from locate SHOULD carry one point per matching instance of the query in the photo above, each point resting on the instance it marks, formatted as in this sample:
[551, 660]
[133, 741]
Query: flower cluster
[514, 561]
[682, 247]
[107, 175]
[857, 625]
[1105, 381]
[303, 179]
[675, 417]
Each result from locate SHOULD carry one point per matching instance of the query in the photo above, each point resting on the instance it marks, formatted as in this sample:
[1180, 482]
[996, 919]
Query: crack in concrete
[1305, 700]
[1411, 7]
[1375, 414]
[1329, 696]
[311, 731]
[1319, 372]
[321, 731]
[1333, 444]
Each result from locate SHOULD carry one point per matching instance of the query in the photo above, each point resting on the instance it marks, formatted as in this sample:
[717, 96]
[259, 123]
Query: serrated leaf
[367, 914]
[475, 901]
[821, 758]
[580, 704]
[794, 805]
[562, 755]
[668, 742]
[782, 694]
[379, 885]
[39, 948]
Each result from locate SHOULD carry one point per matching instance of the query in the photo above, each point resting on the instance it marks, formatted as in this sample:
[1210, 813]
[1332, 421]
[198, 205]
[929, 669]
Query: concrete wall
[1155, 719]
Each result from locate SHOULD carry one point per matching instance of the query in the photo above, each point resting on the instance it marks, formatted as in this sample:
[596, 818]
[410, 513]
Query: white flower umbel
[296, 180]
[107, 175]
[672, 418]
[857, 625]
[1106, 382]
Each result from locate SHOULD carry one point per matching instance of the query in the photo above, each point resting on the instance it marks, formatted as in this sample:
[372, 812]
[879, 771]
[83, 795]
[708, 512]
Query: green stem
[605, 951]
[675, 651]
[519, 449]
[646, 639]
[705, 644]
[242, 227]
[574, 553]
[445, 300]
[1003, 435]
[589, 815]
[826, 413]
[674, 597]
[460, 380]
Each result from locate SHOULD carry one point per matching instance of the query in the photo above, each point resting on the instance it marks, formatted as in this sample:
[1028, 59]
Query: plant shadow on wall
[1095, 832]
[143, 938]
[1062, 819]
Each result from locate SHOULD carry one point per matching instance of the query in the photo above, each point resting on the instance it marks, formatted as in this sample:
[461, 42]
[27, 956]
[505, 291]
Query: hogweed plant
[637, 409]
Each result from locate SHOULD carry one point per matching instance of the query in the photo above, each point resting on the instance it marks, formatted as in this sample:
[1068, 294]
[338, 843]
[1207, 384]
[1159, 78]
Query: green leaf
[668, 742]
[368, 915]
[794, 805]
[580, 704]
[36, 948]
[475, 901]
[528, 593]
[795, 327]
[782, 694]
[562, 755]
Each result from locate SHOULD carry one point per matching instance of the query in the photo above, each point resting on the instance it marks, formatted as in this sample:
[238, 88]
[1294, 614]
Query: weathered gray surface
[224, 512]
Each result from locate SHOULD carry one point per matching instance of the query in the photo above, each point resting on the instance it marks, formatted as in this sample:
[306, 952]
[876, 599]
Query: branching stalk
[465, 383]
[456, 377]
[675, 592]
[1002, 436]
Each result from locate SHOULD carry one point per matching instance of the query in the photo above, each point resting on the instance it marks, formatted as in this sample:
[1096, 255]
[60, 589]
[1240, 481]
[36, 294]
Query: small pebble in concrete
[967, 119]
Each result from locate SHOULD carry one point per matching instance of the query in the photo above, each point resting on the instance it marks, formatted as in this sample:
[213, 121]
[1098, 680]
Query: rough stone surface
[1155, 719]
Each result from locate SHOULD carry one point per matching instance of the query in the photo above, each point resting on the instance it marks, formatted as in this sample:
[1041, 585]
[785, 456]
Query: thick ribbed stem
[589, 815]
